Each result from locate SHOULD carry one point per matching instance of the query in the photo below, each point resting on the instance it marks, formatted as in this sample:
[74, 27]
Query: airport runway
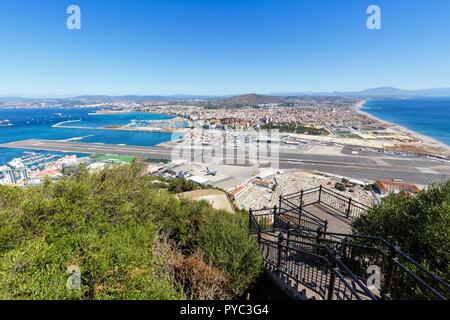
[419, 171]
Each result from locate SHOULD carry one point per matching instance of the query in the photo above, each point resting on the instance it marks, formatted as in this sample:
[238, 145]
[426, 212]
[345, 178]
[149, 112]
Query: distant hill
[136, 98]
[4, 99]
[390, 91]
[379, 92]
[249, 99]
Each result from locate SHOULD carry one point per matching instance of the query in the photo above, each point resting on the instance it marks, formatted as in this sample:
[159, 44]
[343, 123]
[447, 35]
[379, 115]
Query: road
[363, 167]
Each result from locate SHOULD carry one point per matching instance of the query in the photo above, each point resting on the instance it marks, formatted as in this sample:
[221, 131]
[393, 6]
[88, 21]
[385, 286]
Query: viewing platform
[310, 252]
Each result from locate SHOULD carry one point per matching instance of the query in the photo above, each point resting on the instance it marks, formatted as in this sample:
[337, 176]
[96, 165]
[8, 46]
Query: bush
[227, 245]
[181, 221]
[340, 186]
[420, 224]
[181, 185]
[116, 265]
[198, 280]
[106, 223]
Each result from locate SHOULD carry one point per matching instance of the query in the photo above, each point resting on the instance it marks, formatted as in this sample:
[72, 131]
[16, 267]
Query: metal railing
[345, 206]
[297, 214]
[315, 258]
[308, 266]
[402, 277]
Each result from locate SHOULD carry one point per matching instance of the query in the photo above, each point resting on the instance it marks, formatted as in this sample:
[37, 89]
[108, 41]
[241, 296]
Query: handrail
[275, 245]
[304, 192]
[355, 278]
[338, 242]
[326, 263]
[352, 246]
[334, 193]
[388, 246]
[428, 272]
[421, 281]
[300, 210]
[346, 205]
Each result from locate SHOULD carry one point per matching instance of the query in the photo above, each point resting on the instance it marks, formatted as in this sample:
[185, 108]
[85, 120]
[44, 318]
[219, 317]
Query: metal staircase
[308, 261]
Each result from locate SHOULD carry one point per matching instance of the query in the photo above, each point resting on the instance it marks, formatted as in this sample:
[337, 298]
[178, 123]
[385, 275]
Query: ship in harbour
[5, 123]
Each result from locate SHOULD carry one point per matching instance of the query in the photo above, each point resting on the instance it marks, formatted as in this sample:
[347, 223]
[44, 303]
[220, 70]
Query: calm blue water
[428, 116]
[37, 124]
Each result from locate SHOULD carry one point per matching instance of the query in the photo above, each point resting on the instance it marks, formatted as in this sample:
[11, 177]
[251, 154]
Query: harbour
[367, 166]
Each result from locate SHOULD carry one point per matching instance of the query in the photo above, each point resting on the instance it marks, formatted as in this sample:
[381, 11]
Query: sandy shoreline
[427, 140]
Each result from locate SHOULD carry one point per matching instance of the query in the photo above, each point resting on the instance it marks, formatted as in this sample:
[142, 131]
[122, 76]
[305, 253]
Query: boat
[58, 114]
[5, 123]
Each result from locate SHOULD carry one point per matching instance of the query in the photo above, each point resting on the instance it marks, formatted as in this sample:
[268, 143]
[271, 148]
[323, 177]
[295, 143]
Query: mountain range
[377, 92]
[381, 92]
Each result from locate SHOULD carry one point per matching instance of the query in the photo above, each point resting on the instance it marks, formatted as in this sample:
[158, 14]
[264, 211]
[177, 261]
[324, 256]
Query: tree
[419, 223]
[226, 244]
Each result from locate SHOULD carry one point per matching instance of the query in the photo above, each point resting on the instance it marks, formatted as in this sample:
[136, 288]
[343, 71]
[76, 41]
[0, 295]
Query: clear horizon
[219, 48]
[313, 93]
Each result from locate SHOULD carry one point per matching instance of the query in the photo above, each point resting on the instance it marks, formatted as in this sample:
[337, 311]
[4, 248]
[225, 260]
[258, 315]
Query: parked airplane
[210, 172]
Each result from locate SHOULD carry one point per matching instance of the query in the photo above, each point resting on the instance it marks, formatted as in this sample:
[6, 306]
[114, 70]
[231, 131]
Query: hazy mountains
[253, 99]
[137, 98]
[379, 92]
[383, 92]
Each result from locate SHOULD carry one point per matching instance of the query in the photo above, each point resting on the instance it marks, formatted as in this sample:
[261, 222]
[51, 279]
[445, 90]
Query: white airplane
[210, 172]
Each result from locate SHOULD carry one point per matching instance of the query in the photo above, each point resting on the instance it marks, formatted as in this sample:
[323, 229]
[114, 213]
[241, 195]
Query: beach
[426, 141]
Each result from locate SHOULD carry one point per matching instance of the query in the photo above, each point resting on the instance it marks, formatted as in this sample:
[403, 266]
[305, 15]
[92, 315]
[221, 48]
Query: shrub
[420, 224]
[198, 280]
[181, 185]
[116, 265]
[339, 186]
[106, 223]
[227, 245]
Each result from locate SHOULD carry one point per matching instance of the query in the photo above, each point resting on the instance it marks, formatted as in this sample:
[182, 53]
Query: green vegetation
[343, 185]
[295, 128]
[340, 187]
[420, 224]
[130, 238]
[116, 158]
[226, 244]
[370, 187]
[181, 185]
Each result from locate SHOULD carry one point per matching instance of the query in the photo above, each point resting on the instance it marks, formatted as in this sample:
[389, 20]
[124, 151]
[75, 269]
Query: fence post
[393, 259]
[280, 199]
[349, 207]
[300, 208]
[275, 218]
[333, 269]
[326, 226]
[301, 200]
[319, 234]
[318, 240]
[320, 194]
[288, 233]
[250, 213]
[280, 244]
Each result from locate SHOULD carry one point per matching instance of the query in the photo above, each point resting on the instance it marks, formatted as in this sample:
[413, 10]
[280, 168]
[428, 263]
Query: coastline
[424, 139]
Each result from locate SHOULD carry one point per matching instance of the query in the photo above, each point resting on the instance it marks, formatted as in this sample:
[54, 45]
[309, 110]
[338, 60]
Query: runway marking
[427, 170]
[381, 162]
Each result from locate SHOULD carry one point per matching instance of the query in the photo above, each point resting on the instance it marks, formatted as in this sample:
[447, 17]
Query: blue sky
[221, 46]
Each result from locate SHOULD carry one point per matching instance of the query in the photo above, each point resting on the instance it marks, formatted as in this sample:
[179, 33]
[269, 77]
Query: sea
[37, 124]
[427, 116]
